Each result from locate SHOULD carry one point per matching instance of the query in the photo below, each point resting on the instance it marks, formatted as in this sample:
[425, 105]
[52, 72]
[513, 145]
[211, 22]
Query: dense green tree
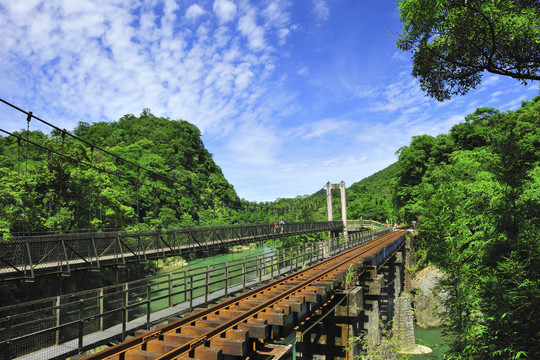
[138, 172]
[413, 164]
[478, 209]
[454, 41]
[371, 198]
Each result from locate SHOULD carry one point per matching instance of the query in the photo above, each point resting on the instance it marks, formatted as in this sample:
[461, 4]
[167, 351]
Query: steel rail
[350, 256]
[174, 354]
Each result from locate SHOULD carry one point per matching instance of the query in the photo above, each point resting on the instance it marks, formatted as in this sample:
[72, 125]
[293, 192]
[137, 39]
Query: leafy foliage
[454, 41]
[142, 172]
[475, 194]
[371, 198]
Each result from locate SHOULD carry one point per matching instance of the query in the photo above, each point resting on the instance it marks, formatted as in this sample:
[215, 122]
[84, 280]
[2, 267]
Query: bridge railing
[367, 223]
[24, 256]
[73, 318]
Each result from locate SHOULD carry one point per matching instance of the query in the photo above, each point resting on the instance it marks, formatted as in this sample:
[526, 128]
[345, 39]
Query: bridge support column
[360, 321]
[379, 302]
[372, 326]
[372, 323]
[403, 315]
[354, 324]
[328, 338]
[352, 315]
[392, 287]
[403, 320]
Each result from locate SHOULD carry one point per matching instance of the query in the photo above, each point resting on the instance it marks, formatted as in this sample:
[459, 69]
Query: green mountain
[371, 198]
[144, 171]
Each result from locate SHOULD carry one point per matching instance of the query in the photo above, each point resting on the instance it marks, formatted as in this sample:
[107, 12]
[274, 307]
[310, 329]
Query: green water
[161, 290]
[221, 258]
[431, 338]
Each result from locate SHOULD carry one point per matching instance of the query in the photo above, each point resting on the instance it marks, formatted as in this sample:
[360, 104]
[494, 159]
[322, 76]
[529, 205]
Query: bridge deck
[271, 304]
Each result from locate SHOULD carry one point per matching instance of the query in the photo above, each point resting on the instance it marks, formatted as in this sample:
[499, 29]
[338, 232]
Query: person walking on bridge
[281, 225]
[275, 227]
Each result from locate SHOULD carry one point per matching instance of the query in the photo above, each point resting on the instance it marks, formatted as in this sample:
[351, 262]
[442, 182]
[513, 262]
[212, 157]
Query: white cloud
[303, 70]
[277, 16]
[401, 56]
[282, 34]
[366, 92]
[513, 104]
[320, 128]
[341, 161]
[490, 80]
[243, 77]
[116, 61]
[253, 32]
[225, 10]
[400, 95]
[255, 145]
[472, 106]
[194, 12]
[320, 8]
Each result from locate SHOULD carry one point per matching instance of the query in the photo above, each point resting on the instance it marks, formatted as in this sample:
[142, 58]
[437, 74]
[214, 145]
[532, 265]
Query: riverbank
[426, 304]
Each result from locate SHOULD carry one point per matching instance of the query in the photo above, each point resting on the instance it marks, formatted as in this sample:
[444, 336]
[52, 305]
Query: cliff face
[426, 297]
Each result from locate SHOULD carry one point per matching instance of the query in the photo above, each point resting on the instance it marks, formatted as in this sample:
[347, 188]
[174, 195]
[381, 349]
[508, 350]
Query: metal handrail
[367, 223]
[25, 256]
[180, 288]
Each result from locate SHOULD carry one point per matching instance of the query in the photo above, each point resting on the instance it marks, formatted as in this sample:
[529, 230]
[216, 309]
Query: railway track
[235, 325]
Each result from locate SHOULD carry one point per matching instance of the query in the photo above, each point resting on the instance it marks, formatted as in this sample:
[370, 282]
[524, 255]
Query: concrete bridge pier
[392, 287]
[390, 323]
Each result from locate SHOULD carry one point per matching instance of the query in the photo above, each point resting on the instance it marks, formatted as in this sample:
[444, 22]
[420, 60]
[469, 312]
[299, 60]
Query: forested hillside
[475, 194]
[138, 172]
[371, 198]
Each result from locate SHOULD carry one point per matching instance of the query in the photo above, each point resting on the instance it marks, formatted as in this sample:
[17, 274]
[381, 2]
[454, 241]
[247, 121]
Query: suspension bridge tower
[341, 187]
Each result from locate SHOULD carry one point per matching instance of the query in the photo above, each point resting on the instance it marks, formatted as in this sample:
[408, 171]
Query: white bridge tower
[329, 188]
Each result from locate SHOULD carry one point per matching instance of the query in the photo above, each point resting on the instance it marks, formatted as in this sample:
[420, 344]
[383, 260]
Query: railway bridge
[304, 302]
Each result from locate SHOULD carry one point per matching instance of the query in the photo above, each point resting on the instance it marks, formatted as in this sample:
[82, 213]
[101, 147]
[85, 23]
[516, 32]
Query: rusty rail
[288, 289]
[52, 326]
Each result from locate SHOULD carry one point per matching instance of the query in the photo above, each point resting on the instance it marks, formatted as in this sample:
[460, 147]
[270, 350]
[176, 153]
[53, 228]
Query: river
[431, 338]
[220, 258]
[197, 264]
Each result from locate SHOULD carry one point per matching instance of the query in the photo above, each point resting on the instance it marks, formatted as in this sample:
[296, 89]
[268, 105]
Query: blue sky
[288, 94]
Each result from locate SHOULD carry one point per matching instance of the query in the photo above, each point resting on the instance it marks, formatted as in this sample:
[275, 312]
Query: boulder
[426, 301]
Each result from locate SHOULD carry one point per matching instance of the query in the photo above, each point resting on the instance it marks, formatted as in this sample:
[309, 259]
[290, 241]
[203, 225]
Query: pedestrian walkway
[114, 333]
